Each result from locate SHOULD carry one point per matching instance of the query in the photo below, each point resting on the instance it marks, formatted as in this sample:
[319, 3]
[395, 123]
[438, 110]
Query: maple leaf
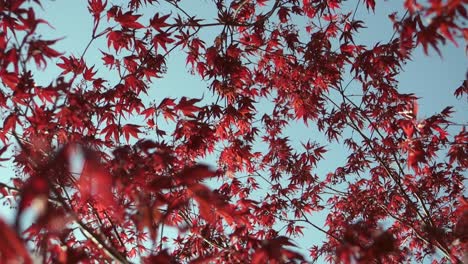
[95, 181]
[370, 4]
[159, 22]
[283, 14]
[39, 50]
[408, 128]
[10, 123]
[108, 59]
[128, 20]
[347, 48]
[266, 71]
[130, 130]
[458, 151]
[46, 94]
[71, 64]
[416, 155]
[209, 203]
[162, 39]
[35, 193]
[187, 106]
[2, 150]
[12, 248]
[111, 130]
[96, 7]
[462, 89]
[9, 79]
[119, 39]
[89, 74]
[273, 249]
[148, 112]
[196, 173]
[98, 83]
[29, 23]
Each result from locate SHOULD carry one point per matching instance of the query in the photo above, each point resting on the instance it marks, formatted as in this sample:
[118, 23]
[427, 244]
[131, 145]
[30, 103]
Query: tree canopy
[116, 172]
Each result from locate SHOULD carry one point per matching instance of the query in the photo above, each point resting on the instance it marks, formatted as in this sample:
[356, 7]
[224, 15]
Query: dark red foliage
[105, 170]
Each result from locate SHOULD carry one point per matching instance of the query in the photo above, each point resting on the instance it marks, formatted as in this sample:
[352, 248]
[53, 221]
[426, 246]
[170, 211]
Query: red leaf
[130, 130]
[10, 123]
[166, 102]
[39, 50]
[416, 155]
[347, 48]
[196, 173]
[128, 20]
[283, 14]
[162, 39]
[370, 4]
[462, 89]
[96, 7]
[187, 106]
[9, 79]
[415, 108]
[148, 112]
[111, 129]
[12, 249]
[108, 59]
[408, 128]
[95, 181]
[89, 74]
[159, 22]
[3, 149]
[71, 64]
[206, 201]
[445, 30]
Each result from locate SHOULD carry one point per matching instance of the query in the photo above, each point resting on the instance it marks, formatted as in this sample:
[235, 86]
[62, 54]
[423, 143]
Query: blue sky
[432, 78]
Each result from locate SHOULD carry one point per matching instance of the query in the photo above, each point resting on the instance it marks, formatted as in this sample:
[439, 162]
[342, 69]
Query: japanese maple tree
[106, 164]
